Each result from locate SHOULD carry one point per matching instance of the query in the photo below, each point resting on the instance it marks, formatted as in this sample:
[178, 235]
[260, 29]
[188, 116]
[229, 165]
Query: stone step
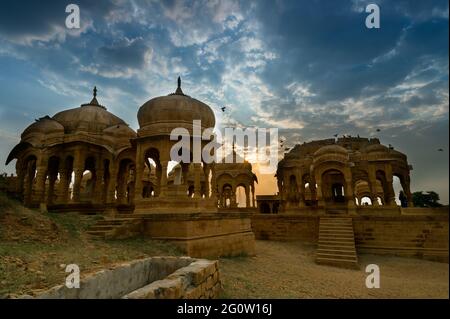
[336, 256]
[336, 244]
[340, 243]
[337, 232]
[343, 263]
[340, 252]
[336, 236]
[334, 225]
[347, 246]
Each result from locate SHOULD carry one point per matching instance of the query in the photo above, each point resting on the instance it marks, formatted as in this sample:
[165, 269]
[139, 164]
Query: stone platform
[203, 234]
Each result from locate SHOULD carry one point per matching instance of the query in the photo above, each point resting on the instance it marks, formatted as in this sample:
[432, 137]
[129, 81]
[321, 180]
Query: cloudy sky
[310, 68]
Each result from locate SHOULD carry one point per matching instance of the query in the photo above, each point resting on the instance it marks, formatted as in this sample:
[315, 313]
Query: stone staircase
[114, 228]
[336, 246]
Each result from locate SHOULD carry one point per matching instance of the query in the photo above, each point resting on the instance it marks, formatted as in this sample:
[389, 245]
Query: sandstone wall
[285, 227]
[412, 236]
[419, 233]
[203, 235]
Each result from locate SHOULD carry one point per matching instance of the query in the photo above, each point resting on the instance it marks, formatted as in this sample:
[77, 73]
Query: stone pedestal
[203, 234]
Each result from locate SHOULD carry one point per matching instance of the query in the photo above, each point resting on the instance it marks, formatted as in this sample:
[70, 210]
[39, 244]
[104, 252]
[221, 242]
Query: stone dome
[91, 117]
[44, 125]
[174, 110]
[331, 149]
[375, 148]
[120, 131]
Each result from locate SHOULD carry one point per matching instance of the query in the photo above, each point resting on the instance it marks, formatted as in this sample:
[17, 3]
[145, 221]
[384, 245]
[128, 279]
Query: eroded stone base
[202, 234]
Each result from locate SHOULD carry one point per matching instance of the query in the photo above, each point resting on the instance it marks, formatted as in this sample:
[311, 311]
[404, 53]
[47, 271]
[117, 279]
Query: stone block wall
[203, 235]
[149, 278]
[286, 227]
[410, 236]
[421, 233]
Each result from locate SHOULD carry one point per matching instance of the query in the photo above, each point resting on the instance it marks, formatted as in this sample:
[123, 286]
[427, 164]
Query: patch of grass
[28, 265]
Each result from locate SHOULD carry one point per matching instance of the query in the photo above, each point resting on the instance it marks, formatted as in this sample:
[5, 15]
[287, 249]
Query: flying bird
[440, 150]
[378, 130]
[223, 108]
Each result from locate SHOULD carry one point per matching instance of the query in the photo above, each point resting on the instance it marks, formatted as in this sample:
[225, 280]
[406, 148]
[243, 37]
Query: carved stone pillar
[247, 196]
[78, 172]
[163, 185]
[197, 185]
[41, 176]
[111, 192]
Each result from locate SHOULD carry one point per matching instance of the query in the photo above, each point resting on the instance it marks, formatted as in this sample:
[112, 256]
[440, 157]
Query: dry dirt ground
[287, 270]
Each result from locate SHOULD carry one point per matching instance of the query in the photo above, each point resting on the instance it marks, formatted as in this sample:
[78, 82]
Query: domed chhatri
[75, 140]
[341, 173]
[91, 117]
[160, 115]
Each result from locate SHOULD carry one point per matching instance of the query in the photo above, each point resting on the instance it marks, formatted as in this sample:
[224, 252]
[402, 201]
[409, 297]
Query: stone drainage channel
[149, 278]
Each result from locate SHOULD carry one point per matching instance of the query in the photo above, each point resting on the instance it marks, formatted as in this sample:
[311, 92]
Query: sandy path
[287, 270]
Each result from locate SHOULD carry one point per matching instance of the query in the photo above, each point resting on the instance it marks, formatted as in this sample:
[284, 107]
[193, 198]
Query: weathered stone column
[51, 187]
[78, 172]
[349, 195]
[63, 185]
[407, 190]
[28, 183]
[111, 192]
[253, 195]
[163, 185]
[197, 185]
[139, 169]
[247, 196]
[41, 176]
[99, 173]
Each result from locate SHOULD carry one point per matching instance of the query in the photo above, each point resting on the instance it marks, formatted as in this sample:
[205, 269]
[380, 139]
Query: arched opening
[362, 192]
[379, 200]
[241, 196]
[400, 195]
[227, 194]
[150, 174]
[365, 201]
[333, 189]
[86, 186]
[125, 182]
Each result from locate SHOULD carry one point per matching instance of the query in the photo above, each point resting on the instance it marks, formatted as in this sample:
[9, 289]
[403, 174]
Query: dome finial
[94, 99]
[179, 91]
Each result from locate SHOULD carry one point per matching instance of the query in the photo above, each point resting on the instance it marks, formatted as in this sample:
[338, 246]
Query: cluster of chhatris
[89, 159]
[87, 155]
[346, 172]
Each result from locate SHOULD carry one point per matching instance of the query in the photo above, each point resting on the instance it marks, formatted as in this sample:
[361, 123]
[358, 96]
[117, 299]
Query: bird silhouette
[440, 150]
[378, 130]
[223, 108]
